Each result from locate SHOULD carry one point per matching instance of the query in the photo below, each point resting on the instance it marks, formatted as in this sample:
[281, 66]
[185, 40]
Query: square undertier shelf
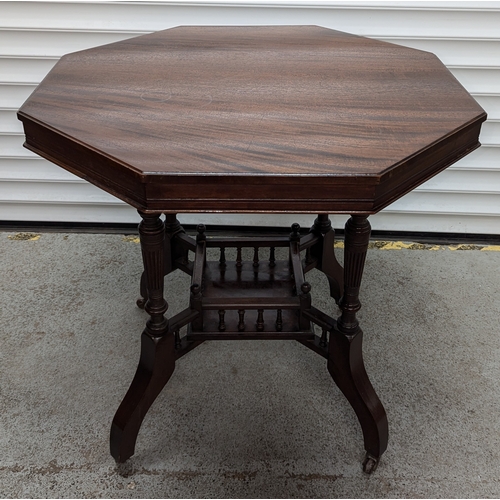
[249, 301]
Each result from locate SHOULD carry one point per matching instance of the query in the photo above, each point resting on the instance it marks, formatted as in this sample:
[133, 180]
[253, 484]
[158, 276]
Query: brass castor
[370, 463]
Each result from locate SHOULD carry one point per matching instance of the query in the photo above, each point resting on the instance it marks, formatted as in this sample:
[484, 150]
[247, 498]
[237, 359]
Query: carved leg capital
[357, 236]
[152, 234]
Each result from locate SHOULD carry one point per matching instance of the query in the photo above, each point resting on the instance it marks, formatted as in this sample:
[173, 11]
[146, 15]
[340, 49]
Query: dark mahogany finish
[297, 119]
[242, 118]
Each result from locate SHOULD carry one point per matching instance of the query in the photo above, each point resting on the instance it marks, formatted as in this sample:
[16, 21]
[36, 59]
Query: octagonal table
[281, 119]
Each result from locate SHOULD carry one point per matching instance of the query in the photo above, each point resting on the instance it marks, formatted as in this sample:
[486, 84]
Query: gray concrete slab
[245, 419]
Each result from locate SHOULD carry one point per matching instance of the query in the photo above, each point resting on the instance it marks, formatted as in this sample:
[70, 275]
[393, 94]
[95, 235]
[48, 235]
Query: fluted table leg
[345, 362]
[157, 359]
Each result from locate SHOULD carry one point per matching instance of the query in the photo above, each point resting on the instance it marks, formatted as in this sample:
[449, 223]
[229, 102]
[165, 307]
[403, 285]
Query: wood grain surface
[267, 116]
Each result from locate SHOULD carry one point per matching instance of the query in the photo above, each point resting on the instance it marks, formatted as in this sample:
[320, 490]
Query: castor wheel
[141, 303]
[369, 463]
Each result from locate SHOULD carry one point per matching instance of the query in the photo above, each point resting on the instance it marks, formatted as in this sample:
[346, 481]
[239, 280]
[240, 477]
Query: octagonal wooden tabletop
[252, 119]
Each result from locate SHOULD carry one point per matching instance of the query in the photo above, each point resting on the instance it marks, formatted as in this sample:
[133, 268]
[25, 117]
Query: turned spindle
[222, 259]
[272, 257]
[241, 322]
[260, 320]
[239, 262]
[256, 257]
[222, 325]
[279, 321]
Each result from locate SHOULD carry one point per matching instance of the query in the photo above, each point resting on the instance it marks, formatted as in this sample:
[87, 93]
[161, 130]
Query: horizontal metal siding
[465, 35]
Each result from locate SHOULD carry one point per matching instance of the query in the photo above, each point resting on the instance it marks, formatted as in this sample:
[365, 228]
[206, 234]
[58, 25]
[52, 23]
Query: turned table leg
[345, 361]
[157, 359]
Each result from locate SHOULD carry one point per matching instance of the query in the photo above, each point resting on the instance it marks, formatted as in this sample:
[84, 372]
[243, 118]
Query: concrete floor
[245, 419]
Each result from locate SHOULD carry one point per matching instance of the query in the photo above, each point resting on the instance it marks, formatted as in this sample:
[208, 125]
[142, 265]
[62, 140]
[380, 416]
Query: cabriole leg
[345, 362]
[157, 359]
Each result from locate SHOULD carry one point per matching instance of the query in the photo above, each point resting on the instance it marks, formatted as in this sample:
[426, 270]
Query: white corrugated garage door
[465, 35]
